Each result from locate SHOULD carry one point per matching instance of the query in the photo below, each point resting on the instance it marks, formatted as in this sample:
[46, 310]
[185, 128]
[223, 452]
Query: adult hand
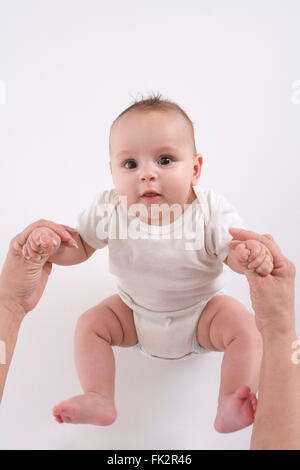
[22, 281]
[272, 296]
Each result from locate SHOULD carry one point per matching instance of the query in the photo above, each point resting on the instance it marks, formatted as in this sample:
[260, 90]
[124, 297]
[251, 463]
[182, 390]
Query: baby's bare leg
[226, 325]
[108, 324]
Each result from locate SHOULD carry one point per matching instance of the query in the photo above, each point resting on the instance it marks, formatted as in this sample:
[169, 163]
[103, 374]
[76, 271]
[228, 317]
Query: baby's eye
[129, 161]
[166, 157]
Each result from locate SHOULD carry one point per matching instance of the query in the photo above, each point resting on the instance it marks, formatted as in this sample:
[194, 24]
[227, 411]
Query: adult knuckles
[46, 223]
[13, 241]
[254, 243]
[289, 269]
[42, 221]
[269, 236]
[17, 237]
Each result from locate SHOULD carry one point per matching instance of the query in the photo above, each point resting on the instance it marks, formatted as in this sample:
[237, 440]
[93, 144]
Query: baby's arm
[250, 254]
[44, 239]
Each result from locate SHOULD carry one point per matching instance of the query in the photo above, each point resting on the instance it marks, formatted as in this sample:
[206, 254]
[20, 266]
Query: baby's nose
[148, 173]
[149, 177]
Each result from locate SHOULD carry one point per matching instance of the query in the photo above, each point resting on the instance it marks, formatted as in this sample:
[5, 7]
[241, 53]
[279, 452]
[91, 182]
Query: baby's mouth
[150, 196]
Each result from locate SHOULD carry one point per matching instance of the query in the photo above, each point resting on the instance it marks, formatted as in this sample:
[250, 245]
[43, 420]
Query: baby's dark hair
[155, 102]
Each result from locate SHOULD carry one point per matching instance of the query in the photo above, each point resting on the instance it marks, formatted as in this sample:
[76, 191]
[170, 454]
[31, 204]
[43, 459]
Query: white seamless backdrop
[67, 69]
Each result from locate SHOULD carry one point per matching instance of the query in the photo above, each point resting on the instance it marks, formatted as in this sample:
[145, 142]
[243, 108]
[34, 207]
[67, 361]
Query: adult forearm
[11, 316]
[277, 418]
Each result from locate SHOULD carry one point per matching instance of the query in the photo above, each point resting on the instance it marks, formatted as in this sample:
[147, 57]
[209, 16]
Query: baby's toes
[242, 392]
[60, 414]
[58, 418]
[65, 418]
[253, 401]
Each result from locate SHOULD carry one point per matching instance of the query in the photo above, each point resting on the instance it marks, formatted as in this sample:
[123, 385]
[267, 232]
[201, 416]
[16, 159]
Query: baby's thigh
[112, 320]
[223, 319]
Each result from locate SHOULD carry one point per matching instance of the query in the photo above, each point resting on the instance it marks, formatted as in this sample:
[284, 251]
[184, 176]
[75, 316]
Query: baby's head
[152, 149]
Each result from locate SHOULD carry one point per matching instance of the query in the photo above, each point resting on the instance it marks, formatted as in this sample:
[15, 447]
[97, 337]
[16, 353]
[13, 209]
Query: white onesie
[165, 274]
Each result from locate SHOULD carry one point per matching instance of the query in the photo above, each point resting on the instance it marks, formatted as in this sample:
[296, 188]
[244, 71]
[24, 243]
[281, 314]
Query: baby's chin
[156, 214]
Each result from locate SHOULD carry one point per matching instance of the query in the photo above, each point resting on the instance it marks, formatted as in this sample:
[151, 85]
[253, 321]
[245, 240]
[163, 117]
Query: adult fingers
[15, 245]
[72, 230]
[255, 247]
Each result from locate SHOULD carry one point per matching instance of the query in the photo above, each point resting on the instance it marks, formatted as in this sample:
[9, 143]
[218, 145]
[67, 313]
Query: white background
[70, 67]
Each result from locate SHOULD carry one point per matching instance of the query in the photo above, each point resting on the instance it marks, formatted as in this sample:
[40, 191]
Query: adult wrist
[275, 331]
[10, 305]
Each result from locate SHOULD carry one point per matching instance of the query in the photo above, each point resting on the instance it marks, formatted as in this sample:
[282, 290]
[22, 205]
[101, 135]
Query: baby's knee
[100, 321]
[90, 320]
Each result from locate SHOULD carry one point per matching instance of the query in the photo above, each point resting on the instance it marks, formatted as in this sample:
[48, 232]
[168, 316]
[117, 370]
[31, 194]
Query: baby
[168, 240]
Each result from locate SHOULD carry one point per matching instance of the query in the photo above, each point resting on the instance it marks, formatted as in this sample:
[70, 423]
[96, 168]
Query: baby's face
[153, 151]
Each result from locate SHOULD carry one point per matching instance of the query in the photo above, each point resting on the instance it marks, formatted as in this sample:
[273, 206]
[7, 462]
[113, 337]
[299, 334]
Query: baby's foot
[89, 408]
[236, 410]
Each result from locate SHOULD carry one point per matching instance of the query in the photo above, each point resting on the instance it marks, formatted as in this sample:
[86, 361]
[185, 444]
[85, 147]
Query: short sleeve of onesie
[93, 223]
[221, 216]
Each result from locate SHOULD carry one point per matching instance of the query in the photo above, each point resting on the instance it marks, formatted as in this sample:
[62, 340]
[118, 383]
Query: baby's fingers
[242, 252]
[41, 241]
[266, 267]
[46, 240]
[25, 252]
[44, 236]
[61, 230]
[34, 242]
[258, 259]
[32, 251]
[254, 247]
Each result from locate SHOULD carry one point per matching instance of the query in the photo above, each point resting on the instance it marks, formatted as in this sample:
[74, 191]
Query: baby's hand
[254, 255]
[41, 241]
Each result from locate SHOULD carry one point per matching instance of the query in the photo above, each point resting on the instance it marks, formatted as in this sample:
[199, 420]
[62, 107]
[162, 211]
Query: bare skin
[22, 283]
[110, 323]
[88, 408]
[276, 425]
[277, 418]
[225, 325]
